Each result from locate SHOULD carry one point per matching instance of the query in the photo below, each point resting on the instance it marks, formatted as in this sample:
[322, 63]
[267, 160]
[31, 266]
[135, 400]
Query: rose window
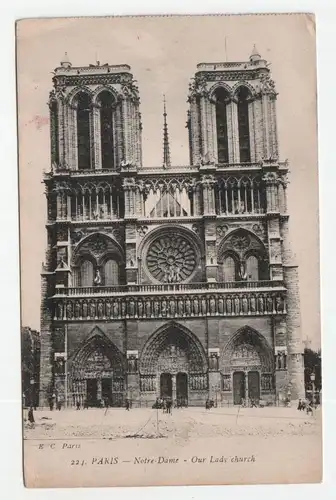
[171, 259]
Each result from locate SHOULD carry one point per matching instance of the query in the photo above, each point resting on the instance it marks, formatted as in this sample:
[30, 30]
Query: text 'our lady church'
[173, 281]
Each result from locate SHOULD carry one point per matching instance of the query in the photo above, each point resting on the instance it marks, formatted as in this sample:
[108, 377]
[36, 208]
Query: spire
[65, 63]
[166, 151]
[255, 56]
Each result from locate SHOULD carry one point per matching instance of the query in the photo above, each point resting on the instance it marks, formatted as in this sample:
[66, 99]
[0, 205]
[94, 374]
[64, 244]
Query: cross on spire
[166, 150]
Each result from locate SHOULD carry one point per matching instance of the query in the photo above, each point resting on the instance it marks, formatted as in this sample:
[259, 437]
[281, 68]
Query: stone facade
[174, 281]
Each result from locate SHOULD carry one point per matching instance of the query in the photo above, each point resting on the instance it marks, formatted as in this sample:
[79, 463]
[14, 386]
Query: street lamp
[312, 379]
[32, 392]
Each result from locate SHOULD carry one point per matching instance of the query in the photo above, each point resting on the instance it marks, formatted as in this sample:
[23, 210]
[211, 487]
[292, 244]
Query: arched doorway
[96, 376]
[174, 362]
[182, 389]
[254, 385]
[238, 387]
[166, 386]
[248, 361]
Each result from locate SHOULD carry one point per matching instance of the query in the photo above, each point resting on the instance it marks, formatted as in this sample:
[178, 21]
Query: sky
[163, 53]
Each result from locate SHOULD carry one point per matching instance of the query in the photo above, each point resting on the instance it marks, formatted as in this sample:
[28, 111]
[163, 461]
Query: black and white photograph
[169, 232]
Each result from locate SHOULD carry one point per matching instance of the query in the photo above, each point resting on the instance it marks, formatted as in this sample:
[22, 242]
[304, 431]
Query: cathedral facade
[172, 281]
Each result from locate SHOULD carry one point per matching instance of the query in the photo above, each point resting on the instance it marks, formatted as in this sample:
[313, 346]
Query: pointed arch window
[86, 273]
[111, 273]
[229, 269]
[83, 131]
[252, 268]
[243, 125]
[221, 126]
[106, 129]
[54, 130]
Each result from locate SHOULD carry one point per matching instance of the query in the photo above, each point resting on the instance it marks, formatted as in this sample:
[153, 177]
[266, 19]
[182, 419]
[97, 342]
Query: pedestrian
[78, 405]
[127, 405]
[51, 404]
[31, 419]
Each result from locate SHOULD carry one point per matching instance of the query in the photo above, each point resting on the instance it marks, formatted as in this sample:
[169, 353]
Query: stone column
[61, 131]
[230, 131]
[214, 374]
[235, 131]
[174, 388]
[213, 131]
[129, 196]
[99, 389]
[252, 125]
[280, 346]
[126, 130]
[72, 137]
[294, 336]
[46, 356]
[133, 381]
[204, 125]
[195, 137]
[96, 137]
[198, 199]
[118, 136]
[208, 183]
[274, 132]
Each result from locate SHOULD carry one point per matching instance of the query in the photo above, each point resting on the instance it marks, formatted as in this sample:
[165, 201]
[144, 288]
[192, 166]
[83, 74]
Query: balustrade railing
[166, 287]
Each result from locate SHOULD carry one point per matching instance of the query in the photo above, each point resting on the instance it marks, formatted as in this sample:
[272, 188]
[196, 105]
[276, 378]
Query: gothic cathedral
[172, 281]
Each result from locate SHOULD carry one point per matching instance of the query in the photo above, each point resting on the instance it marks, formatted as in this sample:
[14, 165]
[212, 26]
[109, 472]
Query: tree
[30, 365]
[312, 364]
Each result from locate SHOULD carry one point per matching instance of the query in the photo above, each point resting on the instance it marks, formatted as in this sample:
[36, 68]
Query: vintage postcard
[169, 250]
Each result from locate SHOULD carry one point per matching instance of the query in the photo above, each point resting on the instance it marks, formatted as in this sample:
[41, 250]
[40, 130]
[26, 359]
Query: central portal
[166, 386]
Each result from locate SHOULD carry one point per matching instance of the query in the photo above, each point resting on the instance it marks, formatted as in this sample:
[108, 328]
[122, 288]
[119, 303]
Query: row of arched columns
[164, 198]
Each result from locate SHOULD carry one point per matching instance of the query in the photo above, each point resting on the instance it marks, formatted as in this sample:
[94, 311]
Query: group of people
[305, 405]
[209, 404]
[164, 404]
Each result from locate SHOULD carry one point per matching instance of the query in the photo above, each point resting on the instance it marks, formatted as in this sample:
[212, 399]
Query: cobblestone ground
[117, 423]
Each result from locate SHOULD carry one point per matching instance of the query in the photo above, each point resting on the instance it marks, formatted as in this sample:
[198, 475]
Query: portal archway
[247, 367]
[174, 355]
[97, 373]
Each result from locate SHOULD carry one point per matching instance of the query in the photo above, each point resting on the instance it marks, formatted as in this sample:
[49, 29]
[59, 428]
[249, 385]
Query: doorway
[254, 386]
[182, 389]
[238, 387]
[166, 386]
[91, 391]
[107, 391]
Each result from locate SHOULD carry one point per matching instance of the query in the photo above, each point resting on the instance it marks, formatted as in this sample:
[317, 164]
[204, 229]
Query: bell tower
[233, 141]
[232, 118]
[95, 118]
